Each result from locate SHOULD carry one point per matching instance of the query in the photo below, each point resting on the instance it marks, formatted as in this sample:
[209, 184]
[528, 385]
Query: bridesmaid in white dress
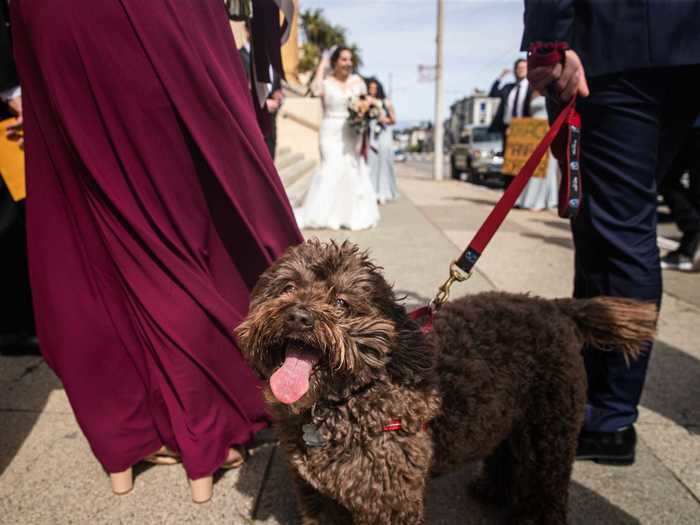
[541, 193]
[381, 152]
[341, 194]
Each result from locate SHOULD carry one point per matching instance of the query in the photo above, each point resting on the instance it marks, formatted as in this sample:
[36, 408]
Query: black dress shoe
[608, 448]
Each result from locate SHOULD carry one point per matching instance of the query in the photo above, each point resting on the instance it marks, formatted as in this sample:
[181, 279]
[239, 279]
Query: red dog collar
[395, 425]
[424, 317]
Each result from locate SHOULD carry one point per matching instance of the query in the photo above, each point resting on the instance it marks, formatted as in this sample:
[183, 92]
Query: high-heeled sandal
[203, 488]
[163, 456]
[236, 457]
[122, 482]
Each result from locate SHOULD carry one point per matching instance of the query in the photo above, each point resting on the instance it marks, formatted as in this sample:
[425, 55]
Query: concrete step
[298, 189]
[286, 159]
[296, 171]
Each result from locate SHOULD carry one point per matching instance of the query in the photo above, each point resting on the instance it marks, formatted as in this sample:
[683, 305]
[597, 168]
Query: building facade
[476, 109]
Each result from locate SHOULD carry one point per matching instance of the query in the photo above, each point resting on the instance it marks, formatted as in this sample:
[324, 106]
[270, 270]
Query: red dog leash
[568, 146]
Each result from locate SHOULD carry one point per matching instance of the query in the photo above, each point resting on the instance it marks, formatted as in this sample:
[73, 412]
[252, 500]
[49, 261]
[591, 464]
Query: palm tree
[321, 35]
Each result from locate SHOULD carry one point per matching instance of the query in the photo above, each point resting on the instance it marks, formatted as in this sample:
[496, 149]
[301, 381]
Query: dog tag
[312, 437]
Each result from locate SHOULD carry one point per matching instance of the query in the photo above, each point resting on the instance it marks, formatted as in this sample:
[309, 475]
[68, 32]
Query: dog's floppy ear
[375, 338]
[412, 359]
[242, 334]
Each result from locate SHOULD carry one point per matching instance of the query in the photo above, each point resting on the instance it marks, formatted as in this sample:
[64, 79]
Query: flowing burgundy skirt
[153, 208]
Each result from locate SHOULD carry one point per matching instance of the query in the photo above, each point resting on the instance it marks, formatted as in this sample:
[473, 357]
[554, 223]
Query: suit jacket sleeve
[8, 72]
[276, 82]
[496, 89]
[548, 21]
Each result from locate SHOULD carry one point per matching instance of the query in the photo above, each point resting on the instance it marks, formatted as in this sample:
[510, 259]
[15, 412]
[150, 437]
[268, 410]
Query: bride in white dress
[341, 194]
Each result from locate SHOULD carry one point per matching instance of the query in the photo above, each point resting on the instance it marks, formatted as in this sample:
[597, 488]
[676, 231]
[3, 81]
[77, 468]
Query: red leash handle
[541, 54]
[566, 146]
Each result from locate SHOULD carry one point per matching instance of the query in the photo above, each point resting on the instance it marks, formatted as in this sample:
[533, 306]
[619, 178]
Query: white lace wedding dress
[341, 193]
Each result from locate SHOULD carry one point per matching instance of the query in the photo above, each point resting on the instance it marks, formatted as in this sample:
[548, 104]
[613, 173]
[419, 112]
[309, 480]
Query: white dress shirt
[11, 93]
[518, 104]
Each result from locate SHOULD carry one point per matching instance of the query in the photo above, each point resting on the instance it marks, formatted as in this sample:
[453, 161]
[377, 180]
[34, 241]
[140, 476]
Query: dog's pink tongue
[291, 381]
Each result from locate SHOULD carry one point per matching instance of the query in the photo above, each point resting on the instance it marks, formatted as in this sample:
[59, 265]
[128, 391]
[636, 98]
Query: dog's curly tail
[613, 323]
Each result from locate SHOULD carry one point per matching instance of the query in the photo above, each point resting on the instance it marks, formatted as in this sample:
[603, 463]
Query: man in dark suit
[273, 104]
[274, 100]
[635, 66]
[9, 83]
[244, 53]
[16, 316]
[515, 98]
[684, 203]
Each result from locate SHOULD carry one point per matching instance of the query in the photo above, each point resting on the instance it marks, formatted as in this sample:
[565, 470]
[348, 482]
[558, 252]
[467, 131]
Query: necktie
[514, 113]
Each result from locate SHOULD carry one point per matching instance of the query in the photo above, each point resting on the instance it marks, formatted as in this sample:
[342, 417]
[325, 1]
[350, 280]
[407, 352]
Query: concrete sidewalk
[48, 474]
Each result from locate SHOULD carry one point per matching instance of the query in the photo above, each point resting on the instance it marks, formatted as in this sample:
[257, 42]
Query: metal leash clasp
[443, 295]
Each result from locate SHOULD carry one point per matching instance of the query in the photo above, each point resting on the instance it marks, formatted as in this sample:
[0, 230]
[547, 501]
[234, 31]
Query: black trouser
[633, 124]
[271, 136]
[685, 202]
[16, 315]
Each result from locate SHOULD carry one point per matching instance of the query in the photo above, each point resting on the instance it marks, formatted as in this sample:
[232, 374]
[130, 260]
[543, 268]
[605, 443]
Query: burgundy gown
[153, 206]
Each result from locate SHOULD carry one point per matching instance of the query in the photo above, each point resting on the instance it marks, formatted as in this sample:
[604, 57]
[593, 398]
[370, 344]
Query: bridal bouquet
[363, 110]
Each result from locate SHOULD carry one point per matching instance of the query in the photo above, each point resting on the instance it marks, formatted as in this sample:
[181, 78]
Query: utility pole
[437, 127]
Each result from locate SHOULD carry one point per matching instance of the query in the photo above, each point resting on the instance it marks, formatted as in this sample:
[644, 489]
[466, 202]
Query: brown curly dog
[367, 407]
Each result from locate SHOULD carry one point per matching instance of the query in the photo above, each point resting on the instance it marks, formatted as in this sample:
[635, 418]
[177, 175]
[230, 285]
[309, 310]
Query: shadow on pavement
[411, 300]
[564, 242]
[473, 200]
[561, 224]
[448, 501]
[672, 389]
[492, 182]
[587, 507]
[25, 385]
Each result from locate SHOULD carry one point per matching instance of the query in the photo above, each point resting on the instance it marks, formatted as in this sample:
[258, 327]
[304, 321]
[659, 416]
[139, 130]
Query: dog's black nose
[300, 319]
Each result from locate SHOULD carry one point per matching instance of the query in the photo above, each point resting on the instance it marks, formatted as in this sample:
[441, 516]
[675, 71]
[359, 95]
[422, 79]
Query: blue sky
[481, 38]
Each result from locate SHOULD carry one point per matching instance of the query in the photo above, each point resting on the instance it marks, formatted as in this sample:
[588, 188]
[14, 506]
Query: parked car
[478, 155]
[400, 155]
